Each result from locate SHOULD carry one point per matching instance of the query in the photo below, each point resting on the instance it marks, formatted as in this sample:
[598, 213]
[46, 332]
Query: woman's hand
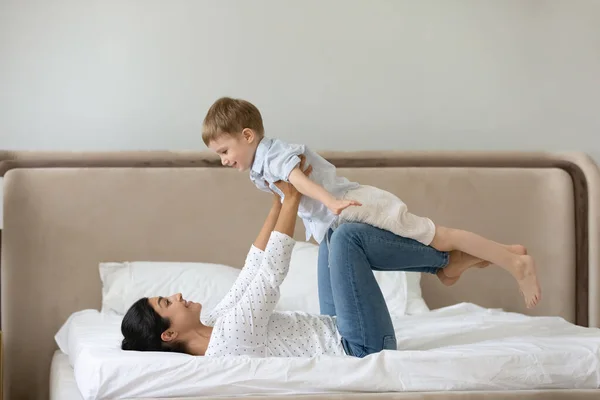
[288, 190]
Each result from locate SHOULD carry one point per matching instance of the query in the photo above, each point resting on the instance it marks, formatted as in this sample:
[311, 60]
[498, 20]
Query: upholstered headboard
[66, 212]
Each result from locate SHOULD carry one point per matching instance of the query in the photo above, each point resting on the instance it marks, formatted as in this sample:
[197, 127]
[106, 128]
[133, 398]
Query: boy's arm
[315, 191]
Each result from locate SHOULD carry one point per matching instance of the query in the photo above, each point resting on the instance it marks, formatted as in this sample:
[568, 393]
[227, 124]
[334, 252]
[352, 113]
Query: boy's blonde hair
[229, 116]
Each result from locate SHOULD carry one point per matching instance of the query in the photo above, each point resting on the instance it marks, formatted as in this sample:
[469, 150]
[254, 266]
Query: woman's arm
[251, 265]
[255, 256]
[269, 224]
[286, 223]
[260, 299]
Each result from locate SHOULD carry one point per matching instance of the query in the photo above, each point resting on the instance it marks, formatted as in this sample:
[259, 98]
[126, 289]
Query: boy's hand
[337, 206]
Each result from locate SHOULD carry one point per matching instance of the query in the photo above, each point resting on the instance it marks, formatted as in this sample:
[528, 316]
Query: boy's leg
[521, 266]
[385, 210]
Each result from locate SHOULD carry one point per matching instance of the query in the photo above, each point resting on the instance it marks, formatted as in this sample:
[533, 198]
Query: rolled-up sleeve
[252, 265]
[245, 326]
[281, 159]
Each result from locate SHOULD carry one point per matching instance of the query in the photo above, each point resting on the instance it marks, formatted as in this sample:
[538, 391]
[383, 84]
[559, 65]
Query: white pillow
[415, 303]
[299, 290]
[123, 283]
[126, 282]
[401, 290]
[88, 328]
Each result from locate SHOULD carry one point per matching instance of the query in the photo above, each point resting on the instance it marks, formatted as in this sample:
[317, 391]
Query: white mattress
[64, 387]
[62, 379]
[463, 347]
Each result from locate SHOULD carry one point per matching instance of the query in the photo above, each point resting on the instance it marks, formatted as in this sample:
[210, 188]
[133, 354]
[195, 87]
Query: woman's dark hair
[142, 327]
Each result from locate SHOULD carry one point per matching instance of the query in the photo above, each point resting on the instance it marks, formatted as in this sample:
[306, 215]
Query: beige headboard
[66, 212]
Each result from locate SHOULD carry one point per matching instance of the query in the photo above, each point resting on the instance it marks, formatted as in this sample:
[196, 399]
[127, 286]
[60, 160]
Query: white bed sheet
[463, 347]
[62, 379]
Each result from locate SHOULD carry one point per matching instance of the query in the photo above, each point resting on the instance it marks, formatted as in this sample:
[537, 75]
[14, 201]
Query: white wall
[334, 74]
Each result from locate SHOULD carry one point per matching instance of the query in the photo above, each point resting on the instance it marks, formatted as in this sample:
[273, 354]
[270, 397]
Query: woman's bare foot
[448, 281]
[458, 263]
[445, 279]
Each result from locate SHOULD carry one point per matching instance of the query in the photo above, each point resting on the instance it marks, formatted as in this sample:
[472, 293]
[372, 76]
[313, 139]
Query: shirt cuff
[279, 239]
[253, 254]
[289, 166]
[255, 250]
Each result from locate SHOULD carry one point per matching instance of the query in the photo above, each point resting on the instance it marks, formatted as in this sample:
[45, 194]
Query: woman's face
[183, 315]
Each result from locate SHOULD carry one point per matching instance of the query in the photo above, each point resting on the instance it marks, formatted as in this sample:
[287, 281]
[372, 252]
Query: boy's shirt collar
[260, 154]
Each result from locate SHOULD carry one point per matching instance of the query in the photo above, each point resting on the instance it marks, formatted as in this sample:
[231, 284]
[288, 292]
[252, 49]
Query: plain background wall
[334, 74]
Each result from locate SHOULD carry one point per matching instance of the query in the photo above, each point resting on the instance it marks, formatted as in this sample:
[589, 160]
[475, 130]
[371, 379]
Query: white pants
[385, 210]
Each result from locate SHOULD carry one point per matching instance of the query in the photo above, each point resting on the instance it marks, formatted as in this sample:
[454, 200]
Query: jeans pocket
[389, 342]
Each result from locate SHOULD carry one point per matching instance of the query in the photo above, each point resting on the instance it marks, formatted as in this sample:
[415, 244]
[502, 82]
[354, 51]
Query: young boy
[233, 128]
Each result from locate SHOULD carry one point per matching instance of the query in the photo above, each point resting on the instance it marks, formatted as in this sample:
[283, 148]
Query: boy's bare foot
[449, 281]
[516, 248]
[525, 272]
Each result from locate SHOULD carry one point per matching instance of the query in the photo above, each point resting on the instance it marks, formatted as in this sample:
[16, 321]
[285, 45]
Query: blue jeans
[349, 291]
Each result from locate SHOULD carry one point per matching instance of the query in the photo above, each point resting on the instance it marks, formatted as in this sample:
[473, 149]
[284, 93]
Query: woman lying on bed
[355, 318]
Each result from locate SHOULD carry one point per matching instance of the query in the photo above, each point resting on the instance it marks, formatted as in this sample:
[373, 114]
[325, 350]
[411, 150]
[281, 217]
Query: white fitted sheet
[463, 347]
[62, 379]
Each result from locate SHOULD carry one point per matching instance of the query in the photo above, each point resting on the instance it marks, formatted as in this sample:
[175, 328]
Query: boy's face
[236, 151]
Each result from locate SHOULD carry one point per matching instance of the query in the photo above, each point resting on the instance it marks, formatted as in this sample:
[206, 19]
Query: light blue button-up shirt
[274, 161]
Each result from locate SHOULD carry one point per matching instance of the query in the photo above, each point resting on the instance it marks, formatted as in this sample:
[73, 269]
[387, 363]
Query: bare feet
[460, 262]
[449, 281]
[516, 248]
[445, 279]
[525, 272]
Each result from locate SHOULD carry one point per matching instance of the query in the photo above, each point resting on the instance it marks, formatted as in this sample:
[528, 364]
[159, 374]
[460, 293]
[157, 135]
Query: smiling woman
[164, 324]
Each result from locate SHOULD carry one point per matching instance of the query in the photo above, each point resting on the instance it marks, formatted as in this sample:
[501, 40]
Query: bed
[64, 213]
